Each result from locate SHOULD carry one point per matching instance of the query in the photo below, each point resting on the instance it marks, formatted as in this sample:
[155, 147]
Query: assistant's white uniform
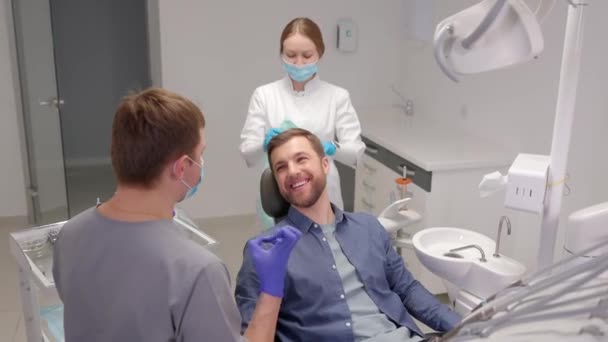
[322, 108]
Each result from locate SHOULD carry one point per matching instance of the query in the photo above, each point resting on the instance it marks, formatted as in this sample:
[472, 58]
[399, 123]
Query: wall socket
[527, 183]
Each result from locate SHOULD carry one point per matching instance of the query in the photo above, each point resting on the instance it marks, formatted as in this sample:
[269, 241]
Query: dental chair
[393, 218]
[273, 203]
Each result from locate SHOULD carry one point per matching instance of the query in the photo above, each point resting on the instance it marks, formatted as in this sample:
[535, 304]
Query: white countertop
[430, 146]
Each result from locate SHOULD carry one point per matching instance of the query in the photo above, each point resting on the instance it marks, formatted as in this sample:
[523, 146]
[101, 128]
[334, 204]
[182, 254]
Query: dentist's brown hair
[150, 129]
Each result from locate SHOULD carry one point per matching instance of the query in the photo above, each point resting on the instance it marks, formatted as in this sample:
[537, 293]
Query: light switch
[347, 35]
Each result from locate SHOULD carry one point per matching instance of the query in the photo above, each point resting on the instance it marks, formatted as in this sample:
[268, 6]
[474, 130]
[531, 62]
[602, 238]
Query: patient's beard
[317, 186]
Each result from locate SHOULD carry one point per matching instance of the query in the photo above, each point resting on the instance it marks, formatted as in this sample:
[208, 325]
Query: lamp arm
[445, 33]
[485, 24]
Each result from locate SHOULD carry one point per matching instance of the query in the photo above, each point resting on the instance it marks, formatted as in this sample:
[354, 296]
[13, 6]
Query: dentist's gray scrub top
[125, 281]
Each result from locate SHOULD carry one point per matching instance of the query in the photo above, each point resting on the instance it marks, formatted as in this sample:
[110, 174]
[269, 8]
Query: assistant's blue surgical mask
[192, 189]
[300, 73]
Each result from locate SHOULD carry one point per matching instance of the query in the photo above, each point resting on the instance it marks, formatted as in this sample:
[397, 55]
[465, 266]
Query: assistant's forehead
[298, 42]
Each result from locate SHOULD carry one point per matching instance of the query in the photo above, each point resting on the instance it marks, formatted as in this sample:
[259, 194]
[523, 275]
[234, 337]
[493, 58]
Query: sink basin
[465, 269]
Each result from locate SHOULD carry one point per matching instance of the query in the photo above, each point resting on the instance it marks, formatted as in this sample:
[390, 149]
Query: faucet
[483, 255]
[503, 219]
[407, 108]
[406, 105]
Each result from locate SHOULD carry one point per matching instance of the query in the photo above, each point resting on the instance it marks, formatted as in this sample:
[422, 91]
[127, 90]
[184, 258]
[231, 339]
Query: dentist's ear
[179, 167]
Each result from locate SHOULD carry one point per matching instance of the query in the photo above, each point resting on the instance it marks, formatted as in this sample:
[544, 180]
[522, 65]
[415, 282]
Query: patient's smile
[299, 184]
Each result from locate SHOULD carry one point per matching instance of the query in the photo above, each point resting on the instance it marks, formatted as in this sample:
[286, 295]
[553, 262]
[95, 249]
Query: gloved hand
[270, 255]
[273, 132]
[287, 124]
[329, 147]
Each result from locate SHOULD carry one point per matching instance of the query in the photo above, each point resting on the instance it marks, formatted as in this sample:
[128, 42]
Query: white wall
[217, 53]
[516, 107]
[12, 183]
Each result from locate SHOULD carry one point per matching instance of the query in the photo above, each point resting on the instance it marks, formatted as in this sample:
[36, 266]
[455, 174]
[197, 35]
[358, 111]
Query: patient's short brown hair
[150, 129]
[289, 134]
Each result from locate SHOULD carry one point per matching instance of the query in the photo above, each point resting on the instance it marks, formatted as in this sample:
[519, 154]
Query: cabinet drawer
[367, 205]
[368, 185]
[368, 168]
[420, 176]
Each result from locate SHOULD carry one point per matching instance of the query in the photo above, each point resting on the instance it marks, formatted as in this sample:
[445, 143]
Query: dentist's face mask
[192, 189]
[300, 73]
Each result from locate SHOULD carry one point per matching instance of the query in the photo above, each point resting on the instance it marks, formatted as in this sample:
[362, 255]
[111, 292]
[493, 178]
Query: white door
[42, 109]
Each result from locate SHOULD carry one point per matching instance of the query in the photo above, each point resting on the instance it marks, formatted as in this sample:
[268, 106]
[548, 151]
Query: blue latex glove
[270, 255]
[329, 147]
[287, 124]
[273, 132]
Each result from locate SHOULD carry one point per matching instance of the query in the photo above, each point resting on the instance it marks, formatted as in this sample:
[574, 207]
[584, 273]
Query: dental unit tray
[32, 249]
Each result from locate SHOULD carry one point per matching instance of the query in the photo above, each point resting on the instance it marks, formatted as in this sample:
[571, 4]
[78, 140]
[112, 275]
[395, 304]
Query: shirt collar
[303, 223]
[310, 86]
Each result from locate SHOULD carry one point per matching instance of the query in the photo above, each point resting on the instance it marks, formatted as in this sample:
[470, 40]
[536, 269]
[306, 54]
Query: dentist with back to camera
[302, 100]
[123, 271]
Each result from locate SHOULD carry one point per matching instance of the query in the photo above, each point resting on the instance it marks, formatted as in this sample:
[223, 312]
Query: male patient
[344, 282]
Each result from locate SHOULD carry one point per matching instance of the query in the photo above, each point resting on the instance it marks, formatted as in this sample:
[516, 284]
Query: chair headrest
[273, 202]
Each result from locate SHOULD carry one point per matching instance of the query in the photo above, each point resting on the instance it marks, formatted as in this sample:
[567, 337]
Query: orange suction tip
[403, 181]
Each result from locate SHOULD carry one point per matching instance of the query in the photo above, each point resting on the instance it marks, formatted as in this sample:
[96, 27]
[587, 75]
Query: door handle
[52, 102]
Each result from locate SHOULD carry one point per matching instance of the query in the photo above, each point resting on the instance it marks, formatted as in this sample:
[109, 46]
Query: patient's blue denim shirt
[312, 308]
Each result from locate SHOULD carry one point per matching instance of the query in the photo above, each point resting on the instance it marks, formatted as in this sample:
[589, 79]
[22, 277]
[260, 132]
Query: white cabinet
[371, 189]
[444, 198]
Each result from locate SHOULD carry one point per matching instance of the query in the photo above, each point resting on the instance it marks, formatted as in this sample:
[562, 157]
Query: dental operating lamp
[495, 34]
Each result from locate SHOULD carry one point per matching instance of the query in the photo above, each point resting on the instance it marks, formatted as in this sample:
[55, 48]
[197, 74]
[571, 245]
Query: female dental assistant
[302, 98]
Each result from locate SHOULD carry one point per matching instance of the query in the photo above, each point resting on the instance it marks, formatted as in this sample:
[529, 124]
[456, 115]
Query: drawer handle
[371, 169]
[367, 204]
[371, 150]
[368, 186]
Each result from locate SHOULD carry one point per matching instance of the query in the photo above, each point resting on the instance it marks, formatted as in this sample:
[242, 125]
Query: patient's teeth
[299, 184]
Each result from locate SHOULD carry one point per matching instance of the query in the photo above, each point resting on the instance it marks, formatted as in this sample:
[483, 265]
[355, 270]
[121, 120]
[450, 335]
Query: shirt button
[333, 267]
[324, 239]
[316, 225]
[341, 296]
[348, 324]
